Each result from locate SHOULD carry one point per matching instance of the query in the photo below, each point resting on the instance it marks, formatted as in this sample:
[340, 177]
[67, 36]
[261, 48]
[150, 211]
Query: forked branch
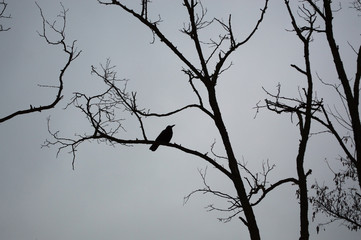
[70, 50]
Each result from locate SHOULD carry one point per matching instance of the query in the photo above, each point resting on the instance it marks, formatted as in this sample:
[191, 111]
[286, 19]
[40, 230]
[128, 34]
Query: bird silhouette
[164, 137]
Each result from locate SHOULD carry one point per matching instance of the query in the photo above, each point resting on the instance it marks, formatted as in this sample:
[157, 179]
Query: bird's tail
[154, 147]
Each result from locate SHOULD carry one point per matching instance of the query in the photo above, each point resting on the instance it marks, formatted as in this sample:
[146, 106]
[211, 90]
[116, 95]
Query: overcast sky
[130, 192]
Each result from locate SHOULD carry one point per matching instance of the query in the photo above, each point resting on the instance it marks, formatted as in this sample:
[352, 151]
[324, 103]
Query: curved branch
[102, 136]
[176, 111]
[273, 186]
[173, 145]
[72, 53]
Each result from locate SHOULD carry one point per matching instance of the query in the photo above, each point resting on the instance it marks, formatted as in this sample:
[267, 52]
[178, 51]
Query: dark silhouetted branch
[71, 51]
[3, 6]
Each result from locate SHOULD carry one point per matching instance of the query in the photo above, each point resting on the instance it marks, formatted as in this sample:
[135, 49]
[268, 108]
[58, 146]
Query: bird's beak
[172, 125]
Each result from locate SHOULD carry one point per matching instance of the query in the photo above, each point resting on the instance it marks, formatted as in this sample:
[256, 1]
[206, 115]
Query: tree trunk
[352, 99]
[302, 184]
[233, 166]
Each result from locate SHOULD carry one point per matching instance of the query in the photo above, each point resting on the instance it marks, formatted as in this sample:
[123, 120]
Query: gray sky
[130, 192]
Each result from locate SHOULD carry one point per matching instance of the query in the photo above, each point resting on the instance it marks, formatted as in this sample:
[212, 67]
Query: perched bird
[164, 137]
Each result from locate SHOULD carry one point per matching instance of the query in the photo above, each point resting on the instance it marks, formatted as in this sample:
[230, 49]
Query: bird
[164, 137]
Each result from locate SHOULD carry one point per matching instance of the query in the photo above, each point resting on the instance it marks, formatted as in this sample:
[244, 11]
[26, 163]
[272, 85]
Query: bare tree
[103, 110]
[303, 107]
[342, 203]
[70, 50]
[349, 92]
[334, 202]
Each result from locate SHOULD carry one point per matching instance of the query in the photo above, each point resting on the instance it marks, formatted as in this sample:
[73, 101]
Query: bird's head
[170, 126]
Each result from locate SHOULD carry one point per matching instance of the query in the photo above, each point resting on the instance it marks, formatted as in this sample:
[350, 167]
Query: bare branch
[356, 4]
[341, 203]
[274, 186]
[144, 13]
[234, 45]
[71, 51]
[316, 8]
[197, 23]
[3, 6]
[153, 27]
[102, 136]
[356, 88]
[234, 205]
[299, 69]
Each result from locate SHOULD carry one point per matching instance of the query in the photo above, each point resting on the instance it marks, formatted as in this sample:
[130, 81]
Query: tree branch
[72, 53]
[153, 26]
[234, 45]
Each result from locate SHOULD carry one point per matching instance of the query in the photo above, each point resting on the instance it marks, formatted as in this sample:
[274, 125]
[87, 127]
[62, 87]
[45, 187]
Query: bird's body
[164, 137]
